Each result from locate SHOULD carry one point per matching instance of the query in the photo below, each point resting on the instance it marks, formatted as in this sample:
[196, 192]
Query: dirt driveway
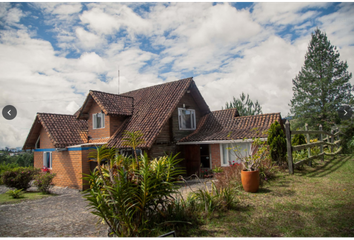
[64, 215]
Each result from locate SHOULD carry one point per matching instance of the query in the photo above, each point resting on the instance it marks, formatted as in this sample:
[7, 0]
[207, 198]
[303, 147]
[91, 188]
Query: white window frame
[94, 120]
[229, 145]
[193, 119]
[45, 159]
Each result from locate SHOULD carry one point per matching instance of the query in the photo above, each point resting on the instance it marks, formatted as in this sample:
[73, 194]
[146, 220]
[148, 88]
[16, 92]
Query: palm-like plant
[129, 198]
[133, 140]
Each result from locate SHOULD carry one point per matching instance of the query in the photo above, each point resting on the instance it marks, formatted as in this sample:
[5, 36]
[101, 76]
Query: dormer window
[98, 120]
[186, 119]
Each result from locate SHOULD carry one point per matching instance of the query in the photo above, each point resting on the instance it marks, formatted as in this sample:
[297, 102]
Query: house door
[204, 155]
[192, 156]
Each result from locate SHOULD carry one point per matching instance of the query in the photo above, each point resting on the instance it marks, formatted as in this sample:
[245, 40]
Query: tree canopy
[322, 85]
[245, 108]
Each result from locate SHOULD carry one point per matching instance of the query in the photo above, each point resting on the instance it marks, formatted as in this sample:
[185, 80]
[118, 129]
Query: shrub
[347, 138]
[267, 168]
[298, 139]
[230, 176]
[215, 199]
[19, 178]
[131, 196]
[6, 167]
[277, 142]
[17, 193]
[43, 181]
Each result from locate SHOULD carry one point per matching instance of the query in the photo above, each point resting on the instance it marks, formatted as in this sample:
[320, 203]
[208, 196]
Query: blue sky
[52, 54]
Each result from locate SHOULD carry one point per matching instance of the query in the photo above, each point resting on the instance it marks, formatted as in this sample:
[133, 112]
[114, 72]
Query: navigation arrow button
[9, 112]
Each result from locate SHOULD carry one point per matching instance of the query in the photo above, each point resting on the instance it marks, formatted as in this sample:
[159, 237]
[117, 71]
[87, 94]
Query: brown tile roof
[113, 104]
[153, 106]
[147, 110]
[63, 130]
[217, 125]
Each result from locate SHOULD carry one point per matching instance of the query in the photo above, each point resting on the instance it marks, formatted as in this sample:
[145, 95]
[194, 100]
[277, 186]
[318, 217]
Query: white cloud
[99, 21]
[59, 9]
[284, 13]
[88, 40]
[228, 51]
[91, 62]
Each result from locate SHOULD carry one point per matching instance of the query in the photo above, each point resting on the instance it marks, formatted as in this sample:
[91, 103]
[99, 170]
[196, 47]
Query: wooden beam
[321, 147]
[304, 146]
[308, 141]
[288, 145]
[311, 132]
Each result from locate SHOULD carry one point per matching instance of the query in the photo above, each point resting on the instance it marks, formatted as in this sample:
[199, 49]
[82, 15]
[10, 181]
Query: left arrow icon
[9, 112]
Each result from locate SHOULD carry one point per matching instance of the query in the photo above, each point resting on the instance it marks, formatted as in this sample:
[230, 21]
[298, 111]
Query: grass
[316, 201]
[27, 196]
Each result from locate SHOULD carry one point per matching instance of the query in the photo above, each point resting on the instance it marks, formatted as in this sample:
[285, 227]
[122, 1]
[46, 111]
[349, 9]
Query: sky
[52, 54]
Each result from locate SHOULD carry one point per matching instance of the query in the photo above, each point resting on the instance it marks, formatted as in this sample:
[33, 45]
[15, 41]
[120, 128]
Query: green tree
[321, 86]
[245, 106]
[277, 142]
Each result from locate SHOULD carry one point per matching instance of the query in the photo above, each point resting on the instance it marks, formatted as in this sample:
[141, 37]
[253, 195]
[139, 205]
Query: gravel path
[64, 215]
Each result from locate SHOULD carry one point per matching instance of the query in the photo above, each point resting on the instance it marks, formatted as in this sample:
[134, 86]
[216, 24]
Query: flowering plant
[45, 169]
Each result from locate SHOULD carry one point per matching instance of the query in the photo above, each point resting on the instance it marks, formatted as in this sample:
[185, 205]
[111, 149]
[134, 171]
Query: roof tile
[226, 125]
[64, 130]
[153, 106]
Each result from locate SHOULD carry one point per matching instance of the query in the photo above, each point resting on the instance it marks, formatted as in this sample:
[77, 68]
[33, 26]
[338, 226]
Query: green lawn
[6, 199]
[314, 202]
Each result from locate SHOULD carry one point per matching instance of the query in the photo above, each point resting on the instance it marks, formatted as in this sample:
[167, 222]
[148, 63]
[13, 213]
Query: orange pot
[250, 180]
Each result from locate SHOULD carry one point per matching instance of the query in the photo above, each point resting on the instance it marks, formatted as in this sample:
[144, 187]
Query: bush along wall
[19, 178]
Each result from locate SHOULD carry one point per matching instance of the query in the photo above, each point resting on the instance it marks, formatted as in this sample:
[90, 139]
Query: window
[98, 120]
[186, 119]
[229, 156]
[47, 159]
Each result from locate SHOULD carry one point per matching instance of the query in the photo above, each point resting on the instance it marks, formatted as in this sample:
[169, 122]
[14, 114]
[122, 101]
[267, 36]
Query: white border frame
[194, 119]
[102, 120]
[51, 159]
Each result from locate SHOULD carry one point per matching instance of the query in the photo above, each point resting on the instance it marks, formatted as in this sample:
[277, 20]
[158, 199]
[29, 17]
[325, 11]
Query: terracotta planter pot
[250, 180]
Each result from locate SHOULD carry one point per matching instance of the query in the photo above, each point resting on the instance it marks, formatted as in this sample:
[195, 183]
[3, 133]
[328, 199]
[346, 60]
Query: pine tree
[245, 108]
[321, 86]
[277, 142]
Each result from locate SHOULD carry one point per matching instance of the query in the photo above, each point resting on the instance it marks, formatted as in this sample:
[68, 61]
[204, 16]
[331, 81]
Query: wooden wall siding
[192, 158]
[188, 100]
[159, 150]
[164, 136]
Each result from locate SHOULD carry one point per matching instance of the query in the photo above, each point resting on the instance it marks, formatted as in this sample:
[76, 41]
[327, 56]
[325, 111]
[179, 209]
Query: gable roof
[63, 130]
[153, 106]
[227, 125]
[111, 104]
